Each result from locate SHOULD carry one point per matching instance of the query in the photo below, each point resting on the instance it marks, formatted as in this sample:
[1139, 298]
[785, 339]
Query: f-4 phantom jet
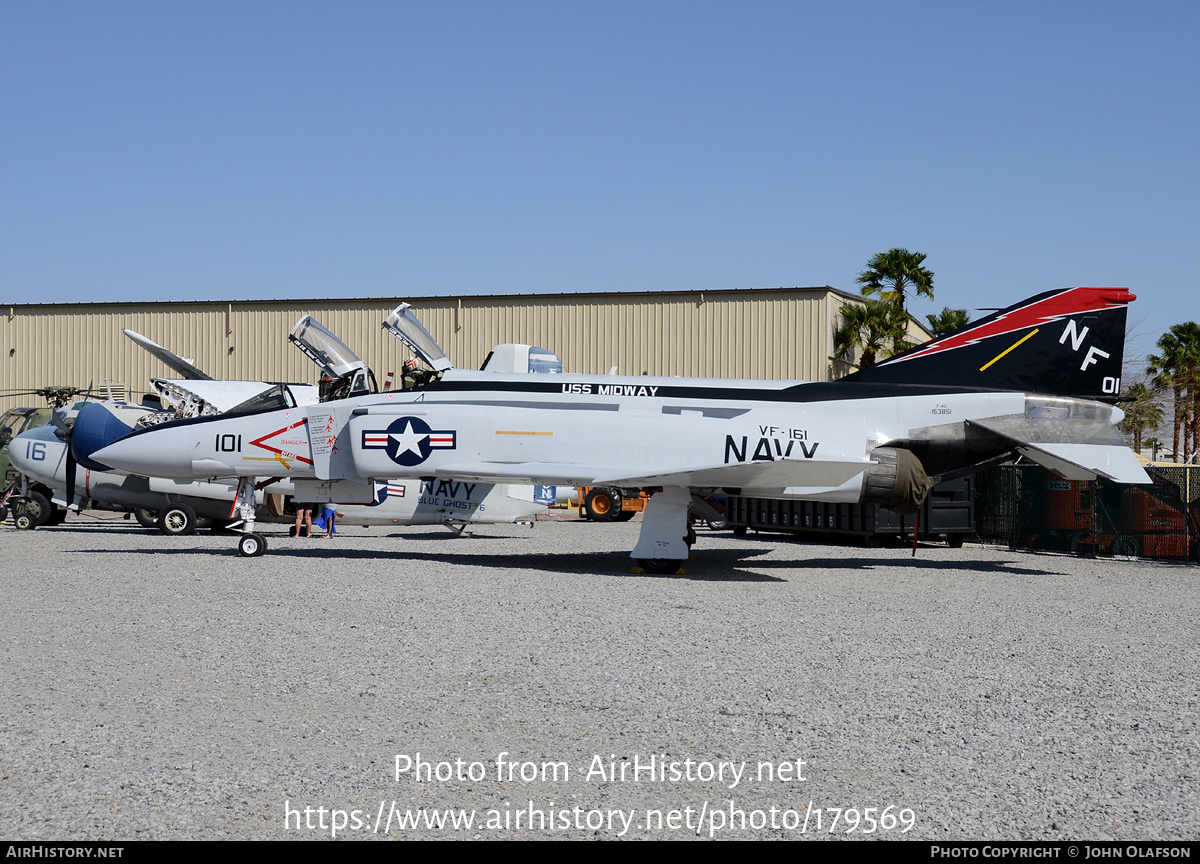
[1030, 379]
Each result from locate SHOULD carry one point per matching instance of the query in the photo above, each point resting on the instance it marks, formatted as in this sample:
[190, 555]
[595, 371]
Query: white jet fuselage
[42, 457]
[1025, 379]
[810, 440]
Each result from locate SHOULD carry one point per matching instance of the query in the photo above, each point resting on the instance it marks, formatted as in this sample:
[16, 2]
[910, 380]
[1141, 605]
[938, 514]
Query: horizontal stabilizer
[1078, 450]
[1087, 461]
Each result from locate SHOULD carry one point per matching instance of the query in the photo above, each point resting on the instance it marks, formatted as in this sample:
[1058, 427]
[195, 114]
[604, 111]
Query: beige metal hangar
[782, 333]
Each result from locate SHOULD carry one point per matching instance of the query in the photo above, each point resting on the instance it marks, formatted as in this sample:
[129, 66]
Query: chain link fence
[1028, 507]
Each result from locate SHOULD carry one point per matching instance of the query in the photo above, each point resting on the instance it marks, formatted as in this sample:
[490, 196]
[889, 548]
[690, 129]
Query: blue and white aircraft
[42, 455]
[1030, 379]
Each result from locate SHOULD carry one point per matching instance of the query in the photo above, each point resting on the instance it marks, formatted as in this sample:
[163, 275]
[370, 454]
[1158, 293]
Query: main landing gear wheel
[176, 520]
[37, 506]
[660, 566]
[145, 518]
[252, 545]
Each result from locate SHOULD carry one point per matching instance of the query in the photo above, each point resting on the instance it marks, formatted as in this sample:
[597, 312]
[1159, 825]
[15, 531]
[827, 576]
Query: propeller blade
[71, 465]
[63, 432]
[61, 429]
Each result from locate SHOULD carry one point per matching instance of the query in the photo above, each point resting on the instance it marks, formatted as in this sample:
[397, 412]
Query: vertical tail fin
[1065, 343]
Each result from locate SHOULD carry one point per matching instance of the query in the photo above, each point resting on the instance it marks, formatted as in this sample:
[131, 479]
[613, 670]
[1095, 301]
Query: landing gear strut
[662, 546]
[250, 545]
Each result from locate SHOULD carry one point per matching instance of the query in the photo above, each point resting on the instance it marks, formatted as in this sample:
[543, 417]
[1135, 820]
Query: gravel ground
[165, 688]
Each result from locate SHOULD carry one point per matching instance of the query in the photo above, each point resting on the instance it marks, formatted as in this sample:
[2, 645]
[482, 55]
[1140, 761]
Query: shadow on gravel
[927, 558]
[716, 563]
[709, 566]
[101, 528]
[713, 566]
[919, 564]
[445, 535]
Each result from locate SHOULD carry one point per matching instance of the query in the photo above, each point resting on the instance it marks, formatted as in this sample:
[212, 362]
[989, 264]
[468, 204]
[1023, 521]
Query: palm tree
[892, 273]
[1163, 369]
[1141, 412]
[874, 327]
[948, 320]
[1176, 367]
[1188, 335]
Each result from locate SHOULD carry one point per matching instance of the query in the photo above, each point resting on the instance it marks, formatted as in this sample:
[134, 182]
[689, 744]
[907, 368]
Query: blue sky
[259, 149]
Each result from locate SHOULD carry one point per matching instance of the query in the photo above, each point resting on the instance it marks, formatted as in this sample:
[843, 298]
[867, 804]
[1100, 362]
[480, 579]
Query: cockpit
[405, 326]
[343, 374]
[273, 398]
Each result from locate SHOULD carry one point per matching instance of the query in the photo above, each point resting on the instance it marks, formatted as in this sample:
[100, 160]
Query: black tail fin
[1064, 343]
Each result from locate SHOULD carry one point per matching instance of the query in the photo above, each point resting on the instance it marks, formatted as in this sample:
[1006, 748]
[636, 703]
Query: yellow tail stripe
[1006, 350]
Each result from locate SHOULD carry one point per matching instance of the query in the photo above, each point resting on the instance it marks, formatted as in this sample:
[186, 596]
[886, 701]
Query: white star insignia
[408, 440]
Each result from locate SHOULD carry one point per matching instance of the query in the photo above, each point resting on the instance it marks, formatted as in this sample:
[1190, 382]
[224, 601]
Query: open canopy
[323, 348]
[405, 326]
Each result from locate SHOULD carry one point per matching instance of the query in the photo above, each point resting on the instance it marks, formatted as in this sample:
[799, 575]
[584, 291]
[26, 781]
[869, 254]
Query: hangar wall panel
[784, 333]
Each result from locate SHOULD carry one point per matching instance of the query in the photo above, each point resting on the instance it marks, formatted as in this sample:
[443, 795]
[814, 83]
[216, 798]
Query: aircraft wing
[1080, 450]
[781, 474]
[221, 395]
[184, 368]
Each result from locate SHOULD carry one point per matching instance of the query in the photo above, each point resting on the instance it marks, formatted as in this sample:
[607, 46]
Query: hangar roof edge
[416, 298]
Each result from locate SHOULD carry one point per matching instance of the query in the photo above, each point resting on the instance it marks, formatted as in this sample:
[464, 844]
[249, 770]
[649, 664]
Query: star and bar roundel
[408, 441]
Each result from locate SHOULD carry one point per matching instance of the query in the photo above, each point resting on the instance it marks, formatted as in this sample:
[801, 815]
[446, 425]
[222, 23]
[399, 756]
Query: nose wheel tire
[24, 521]
[252, 545]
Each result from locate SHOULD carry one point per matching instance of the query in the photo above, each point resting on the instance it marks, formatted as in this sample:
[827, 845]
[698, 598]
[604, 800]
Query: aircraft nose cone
[95, 428]
[37, 454]
[17, 457]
